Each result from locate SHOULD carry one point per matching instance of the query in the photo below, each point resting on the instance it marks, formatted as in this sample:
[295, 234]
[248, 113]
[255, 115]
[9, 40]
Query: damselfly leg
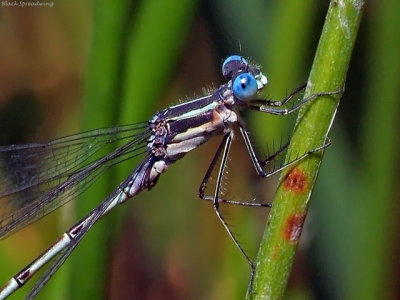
[268, 106]
[223, 153]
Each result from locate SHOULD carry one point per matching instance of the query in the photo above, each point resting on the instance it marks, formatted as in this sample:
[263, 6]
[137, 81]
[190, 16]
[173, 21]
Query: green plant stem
[290, 205]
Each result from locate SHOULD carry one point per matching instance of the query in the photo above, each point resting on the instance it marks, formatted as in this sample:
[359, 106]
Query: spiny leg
[226, 147]
[282, 102]
[268, 105]
[223, 150]
[207, 176]
[258, 164]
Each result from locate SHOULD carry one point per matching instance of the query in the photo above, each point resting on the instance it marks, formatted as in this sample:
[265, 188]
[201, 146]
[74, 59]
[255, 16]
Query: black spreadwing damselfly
[38, 178]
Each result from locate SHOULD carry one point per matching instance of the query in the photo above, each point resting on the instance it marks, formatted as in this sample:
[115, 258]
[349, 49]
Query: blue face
[246, 79]
[244, 86]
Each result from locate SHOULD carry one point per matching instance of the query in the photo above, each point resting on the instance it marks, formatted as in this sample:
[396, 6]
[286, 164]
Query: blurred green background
[90, 64]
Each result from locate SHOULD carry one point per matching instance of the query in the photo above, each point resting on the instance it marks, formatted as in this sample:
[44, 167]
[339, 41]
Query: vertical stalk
[290, 205]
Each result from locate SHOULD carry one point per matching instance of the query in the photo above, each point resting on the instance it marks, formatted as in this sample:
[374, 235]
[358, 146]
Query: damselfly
[38, 178]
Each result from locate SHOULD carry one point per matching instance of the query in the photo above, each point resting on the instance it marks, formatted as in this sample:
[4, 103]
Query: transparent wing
[35, 179]
[90, 220]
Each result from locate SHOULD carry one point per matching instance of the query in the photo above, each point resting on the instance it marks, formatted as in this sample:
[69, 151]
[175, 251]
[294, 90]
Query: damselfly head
[247, 80]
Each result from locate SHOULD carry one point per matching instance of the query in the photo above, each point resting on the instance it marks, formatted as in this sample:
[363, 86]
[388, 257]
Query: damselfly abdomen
[38, 178]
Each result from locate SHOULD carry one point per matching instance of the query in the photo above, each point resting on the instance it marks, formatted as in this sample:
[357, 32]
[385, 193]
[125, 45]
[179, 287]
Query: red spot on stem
[293, 227]
[295, 181]
[277, 251]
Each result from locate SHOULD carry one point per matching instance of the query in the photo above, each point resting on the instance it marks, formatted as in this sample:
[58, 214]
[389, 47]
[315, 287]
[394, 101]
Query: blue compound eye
[232, 64]
[244, 86]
